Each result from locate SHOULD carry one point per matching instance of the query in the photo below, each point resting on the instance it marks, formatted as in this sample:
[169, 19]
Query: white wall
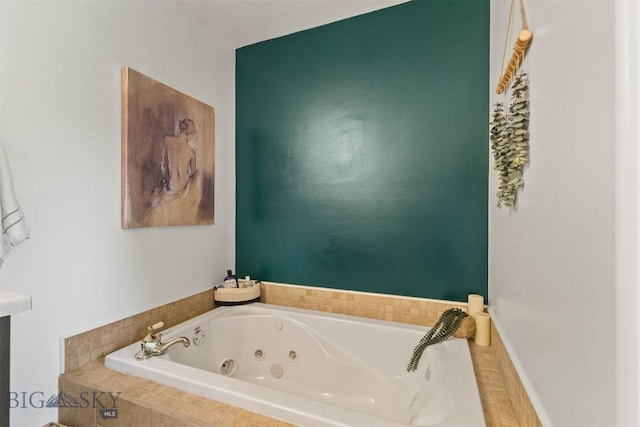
[627, 219]
[553, 267]
[60, 125]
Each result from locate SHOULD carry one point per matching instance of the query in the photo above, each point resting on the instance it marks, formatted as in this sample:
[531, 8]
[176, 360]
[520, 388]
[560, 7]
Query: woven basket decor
[467, 328]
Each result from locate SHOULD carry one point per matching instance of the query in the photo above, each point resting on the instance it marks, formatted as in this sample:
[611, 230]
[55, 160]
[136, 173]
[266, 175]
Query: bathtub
[315, 369]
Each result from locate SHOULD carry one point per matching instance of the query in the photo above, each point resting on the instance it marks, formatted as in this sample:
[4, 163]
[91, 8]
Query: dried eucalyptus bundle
[499, 136]
[510, 141]
[519, 125]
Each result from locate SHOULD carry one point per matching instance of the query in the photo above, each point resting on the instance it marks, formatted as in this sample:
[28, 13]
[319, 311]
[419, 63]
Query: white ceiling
[244, 22]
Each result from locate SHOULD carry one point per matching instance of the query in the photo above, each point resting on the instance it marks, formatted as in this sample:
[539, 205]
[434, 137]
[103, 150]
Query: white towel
[14, 227]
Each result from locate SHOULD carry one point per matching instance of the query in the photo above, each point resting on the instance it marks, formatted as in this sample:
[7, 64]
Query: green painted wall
[362, 154]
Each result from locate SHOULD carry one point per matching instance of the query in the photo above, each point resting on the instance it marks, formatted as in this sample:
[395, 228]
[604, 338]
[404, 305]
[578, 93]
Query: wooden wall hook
[519, 49]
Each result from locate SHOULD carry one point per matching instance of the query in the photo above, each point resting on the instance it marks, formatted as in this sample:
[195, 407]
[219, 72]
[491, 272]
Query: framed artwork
[168, 155]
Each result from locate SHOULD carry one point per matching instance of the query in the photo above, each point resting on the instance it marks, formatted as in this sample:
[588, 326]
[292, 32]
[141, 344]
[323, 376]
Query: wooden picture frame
[168, 155]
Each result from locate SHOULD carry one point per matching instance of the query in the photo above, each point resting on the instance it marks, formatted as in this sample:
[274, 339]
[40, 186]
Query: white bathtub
[315, 369]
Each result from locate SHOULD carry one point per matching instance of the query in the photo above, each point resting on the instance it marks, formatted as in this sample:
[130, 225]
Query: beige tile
[95, 340]
[71, 346]
[75, 416]
[96, 354]
[71, 363]
[524, 413]
[496, 406]
[158, 419]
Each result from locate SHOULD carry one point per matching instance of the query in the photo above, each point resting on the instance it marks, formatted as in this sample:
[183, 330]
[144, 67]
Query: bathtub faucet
[152, 344]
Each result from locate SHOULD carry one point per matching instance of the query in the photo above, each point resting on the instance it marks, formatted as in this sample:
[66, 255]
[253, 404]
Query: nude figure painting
[167, 155]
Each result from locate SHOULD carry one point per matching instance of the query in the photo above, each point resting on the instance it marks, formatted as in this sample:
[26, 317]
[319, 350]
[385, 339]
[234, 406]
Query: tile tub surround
[522, 407]
[144, 403]
[489, 362]
[92, 345]
[497, 408]
[416, 311]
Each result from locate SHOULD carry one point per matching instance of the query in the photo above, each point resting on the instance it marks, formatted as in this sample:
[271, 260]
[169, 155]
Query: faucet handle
[150, 335]
[156, 326]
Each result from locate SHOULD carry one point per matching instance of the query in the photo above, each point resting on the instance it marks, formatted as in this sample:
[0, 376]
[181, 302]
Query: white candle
[483, 329]
[475, 304]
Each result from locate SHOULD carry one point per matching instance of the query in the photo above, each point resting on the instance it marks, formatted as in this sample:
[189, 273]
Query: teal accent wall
[362, 153]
